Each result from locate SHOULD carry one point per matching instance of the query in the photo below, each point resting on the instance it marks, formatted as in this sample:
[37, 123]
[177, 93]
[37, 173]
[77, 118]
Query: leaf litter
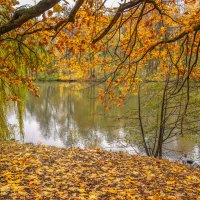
[41, 172]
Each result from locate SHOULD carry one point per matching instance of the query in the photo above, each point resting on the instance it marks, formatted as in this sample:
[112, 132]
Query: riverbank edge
[89, 81]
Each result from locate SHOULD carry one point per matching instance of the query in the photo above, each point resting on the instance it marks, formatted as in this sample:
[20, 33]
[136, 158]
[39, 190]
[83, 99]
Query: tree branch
[72, 14]
[120, 10]
[70, 18]
[20, 17]
[168, 41]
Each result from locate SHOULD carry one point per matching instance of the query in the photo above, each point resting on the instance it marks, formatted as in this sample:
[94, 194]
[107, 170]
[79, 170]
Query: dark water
[69, 115]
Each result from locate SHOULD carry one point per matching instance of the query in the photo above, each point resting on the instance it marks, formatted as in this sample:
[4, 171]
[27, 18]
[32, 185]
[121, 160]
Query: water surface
[69, 115]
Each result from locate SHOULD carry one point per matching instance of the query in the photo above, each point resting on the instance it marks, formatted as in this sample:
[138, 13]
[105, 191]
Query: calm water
[69, 115]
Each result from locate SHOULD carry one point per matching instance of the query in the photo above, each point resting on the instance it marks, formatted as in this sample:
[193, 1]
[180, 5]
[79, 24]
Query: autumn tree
[135, 42]
[132, 34]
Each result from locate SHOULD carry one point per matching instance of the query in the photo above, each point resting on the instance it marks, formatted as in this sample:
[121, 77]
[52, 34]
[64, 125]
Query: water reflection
[66, 115]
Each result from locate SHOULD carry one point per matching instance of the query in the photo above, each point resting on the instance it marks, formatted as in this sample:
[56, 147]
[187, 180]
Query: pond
[69, 115]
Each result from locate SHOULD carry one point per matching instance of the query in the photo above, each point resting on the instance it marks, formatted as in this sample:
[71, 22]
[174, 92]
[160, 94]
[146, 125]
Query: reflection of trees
[7, 130]
[73, 115]
[4, 131]
[163, 120]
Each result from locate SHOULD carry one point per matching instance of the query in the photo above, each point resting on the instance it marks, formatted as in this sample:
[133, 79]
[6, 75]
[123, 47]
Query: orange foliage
[141, 35]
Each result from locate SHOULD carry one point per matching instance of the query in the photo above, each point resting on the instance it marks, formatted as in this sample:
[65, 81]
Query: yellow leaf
[57, 8]
[81, 190]
[50, 13]
[170, 182]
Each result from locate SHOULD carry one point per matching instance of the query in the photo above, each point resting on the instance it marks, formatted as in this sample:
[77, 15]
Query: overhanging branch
[27, 14]
[120, 10]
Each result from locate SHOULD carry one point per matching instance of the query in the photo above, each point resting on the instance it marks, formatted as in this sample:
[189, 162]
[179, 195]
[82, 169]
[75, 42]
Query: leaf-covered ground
[39, 172]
